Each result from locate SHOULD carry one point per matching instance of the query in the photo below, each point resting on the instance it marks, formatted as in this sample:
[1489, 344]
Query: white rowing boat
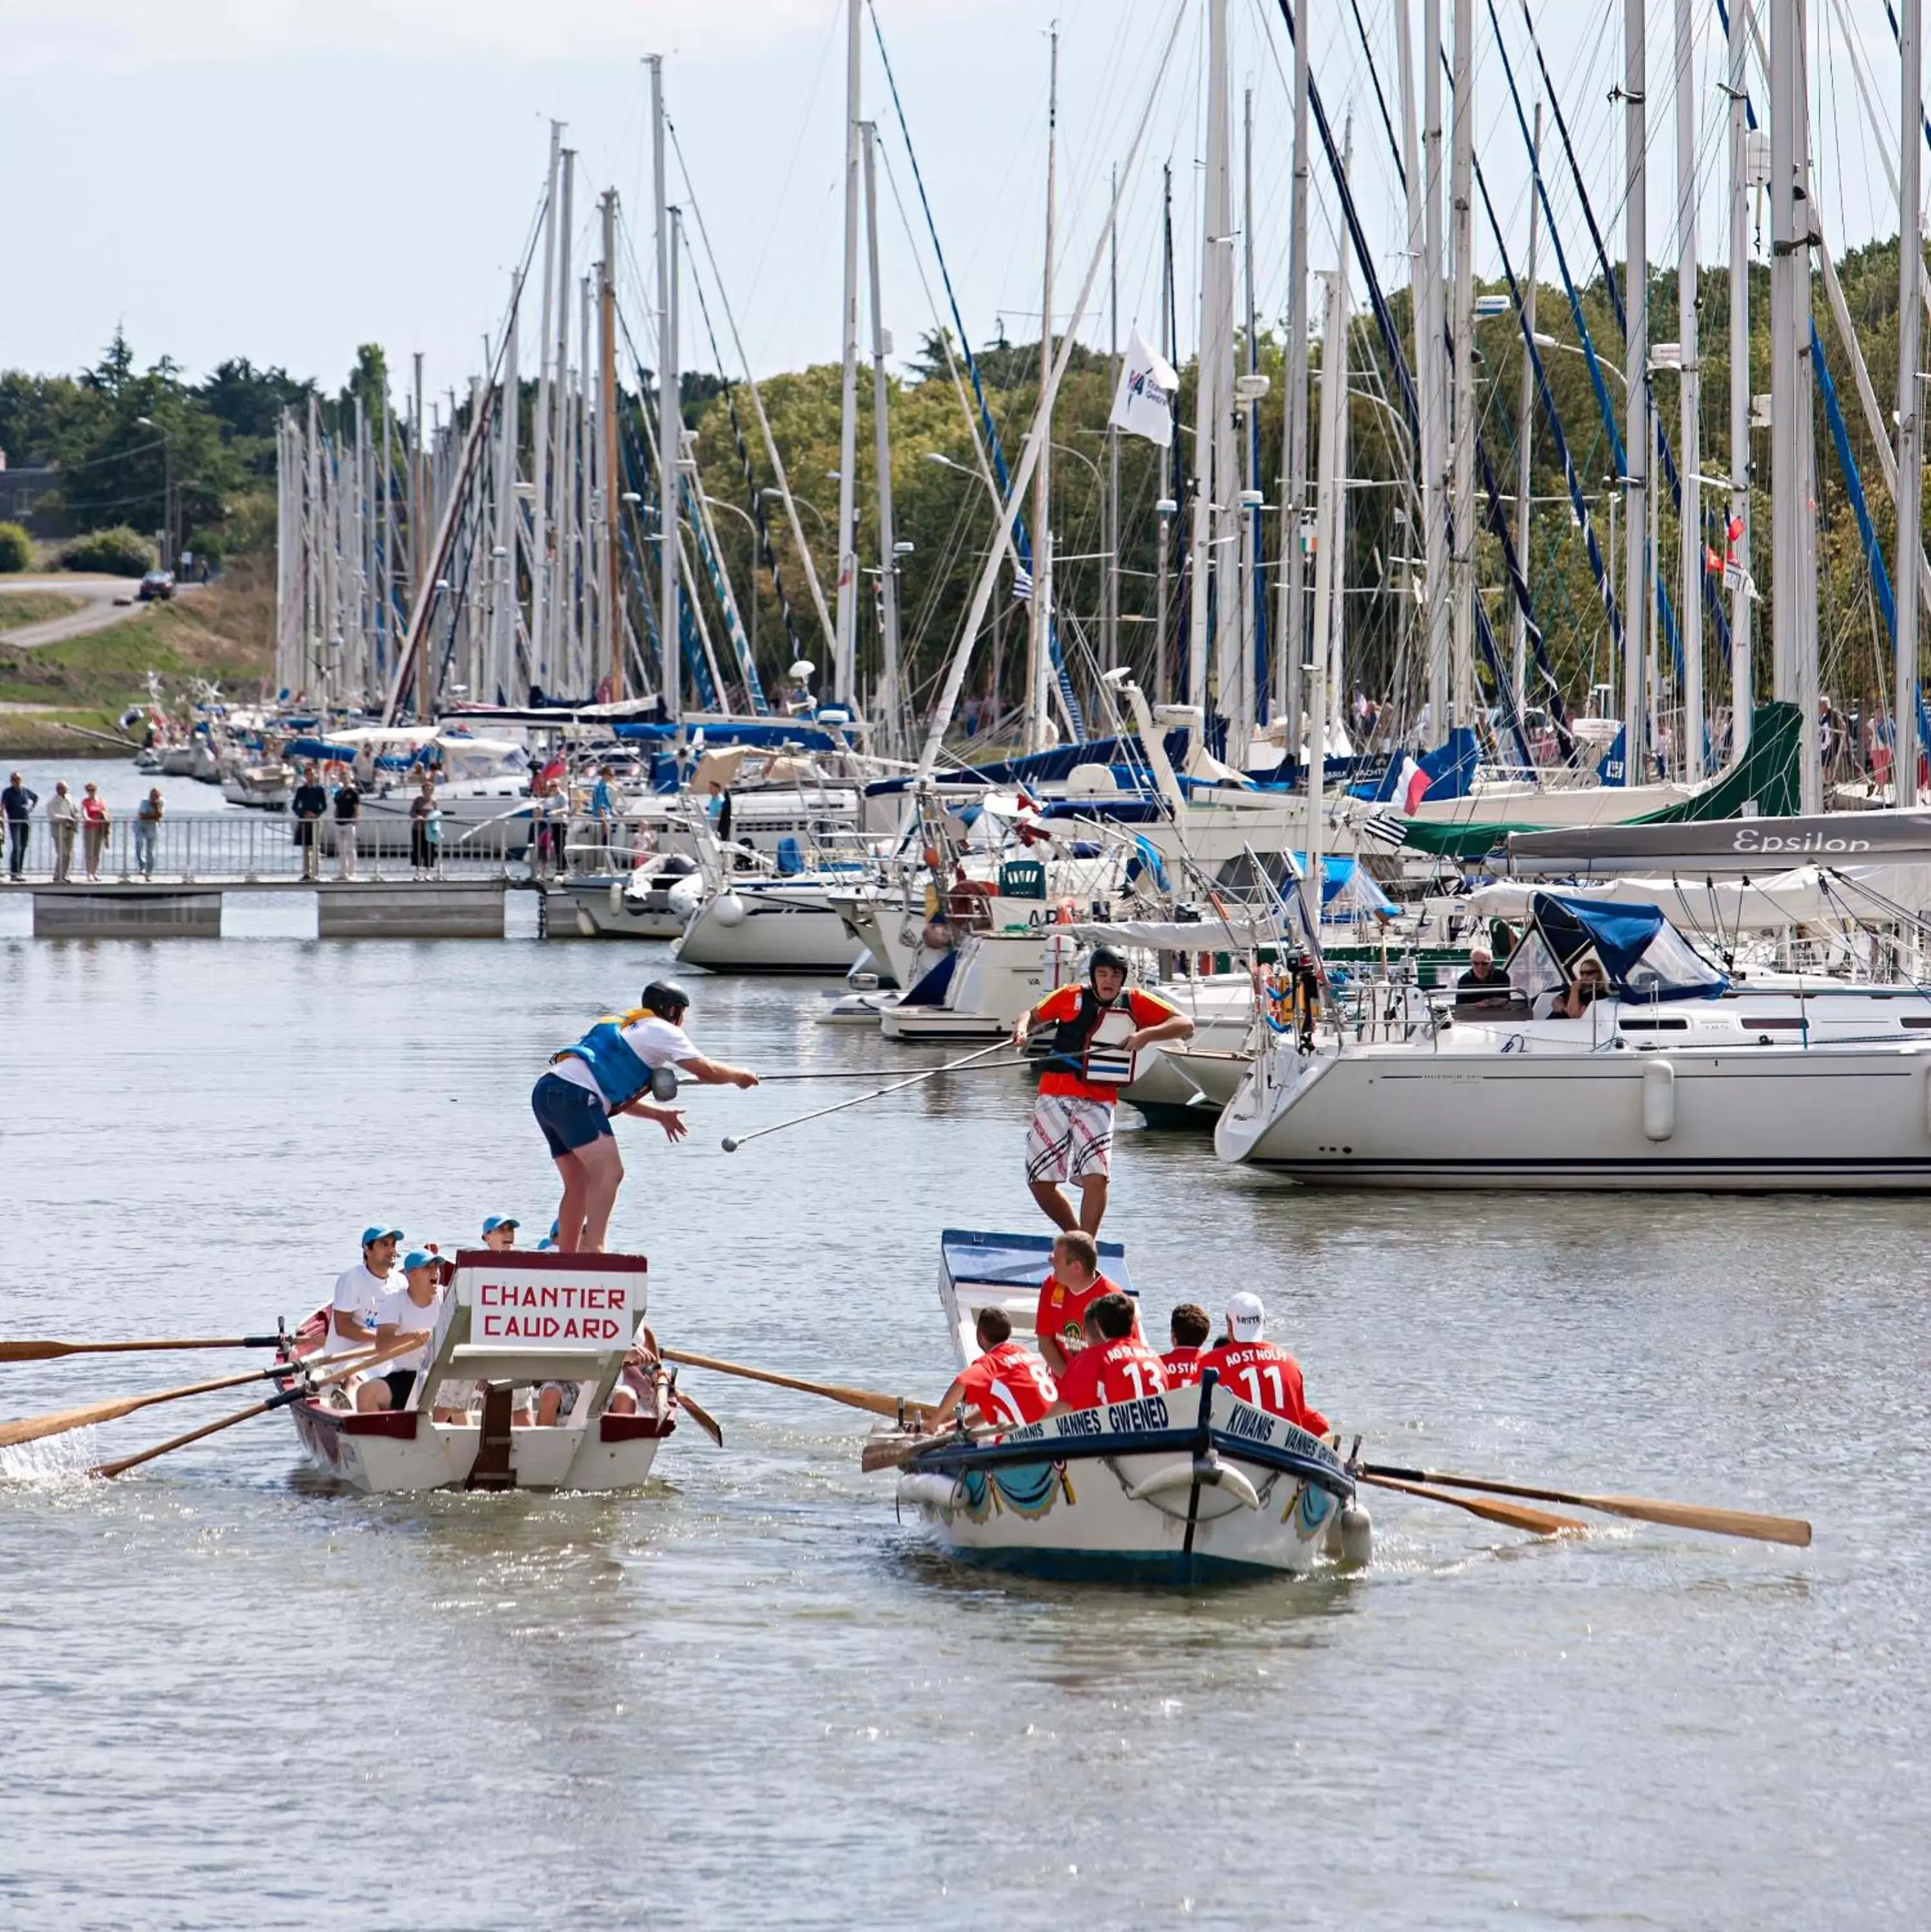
[1189, 1487]
[520, 1317]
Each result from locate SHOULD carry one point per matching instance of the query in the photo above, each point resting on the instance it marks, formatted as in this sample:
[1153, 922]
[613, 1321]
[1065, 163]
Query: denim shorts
[570, 1116]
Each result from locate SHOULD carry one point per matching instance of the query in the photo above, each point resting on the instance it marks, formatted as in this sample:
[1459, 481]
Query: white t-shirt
[656, 1042]
[397, 1310]
[358, 1294]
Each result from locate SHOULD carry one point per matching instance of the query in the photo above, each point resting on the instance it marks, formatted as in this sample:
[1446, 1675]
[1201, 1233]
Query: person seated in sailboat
[1190, 1327]
[1059, 1320]
[1588, 986]
[1007, 1382]
[1484, 988]
[1115, 1365]
[1263, 1374]
[1097, 1029]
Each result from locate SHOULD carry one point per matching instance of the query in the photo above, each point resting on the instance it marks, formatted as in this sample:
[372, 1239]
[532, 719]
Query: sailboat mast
[1290, 624]
[1689, 394]
[845, 645]
[881, 438]
[1525, 419]
[1109, 632]
[1790, 291]
[540, 533]
[1327, 565]
[670, 419]
[1461, 195]
[1248, 682]
[1435, 387]
[1635, 430]
[1039, 627]
[1910, 419]
[1165, 509]
[1737, 547]
[1211, 473]
[613, 595]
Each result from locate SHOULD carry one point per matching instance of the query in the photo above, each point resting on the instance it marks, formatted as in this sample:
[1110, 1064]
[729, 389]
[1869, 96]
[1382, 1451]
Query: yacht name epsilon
[1749, 839]
[552, 1311]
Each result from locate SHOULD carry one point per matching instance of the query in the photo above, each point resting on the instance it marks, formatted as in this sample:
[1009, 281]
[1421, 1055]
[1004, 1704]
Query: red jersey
[1269, 1379]
[1112, 1372]
[1009, 1384]
[1182, 1366]
[1061, 1313]
[1061, 1007]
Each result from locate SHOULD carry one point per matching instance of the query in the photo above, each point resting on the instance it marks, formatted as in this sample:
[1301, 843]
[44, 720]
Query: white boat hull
[1742, 1117]
[1115, 1494]
[760, 929]
[394, 1453]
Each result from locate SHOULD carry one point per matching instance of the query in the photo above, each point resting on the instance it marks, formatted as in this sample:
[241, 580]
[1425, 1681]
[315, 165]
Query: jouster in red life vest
[1267, 1377]
[1182, 1366]
[1109, 1372]
[1009, 1384]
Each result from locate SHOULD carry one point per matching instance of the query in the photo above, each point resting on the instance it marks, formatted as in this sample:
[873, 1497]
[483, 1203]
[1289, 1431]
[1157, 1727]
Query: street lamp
[778, 495]
[750, 523]
[167, 488]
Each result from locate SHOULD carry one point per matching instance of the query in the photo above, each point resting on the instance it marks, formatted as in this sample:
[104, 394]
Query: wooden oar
[870, 1400]
[1536, 1522]
[297, 1394]
[702, 1416]
[57, 1422]
[894, 1452]
[44, 1351]
[1791, 1529]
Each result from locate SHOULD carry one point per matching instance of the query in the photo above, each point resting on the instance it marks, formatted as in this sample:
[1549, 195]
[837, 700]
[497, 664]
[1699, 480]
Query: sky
[283, 179]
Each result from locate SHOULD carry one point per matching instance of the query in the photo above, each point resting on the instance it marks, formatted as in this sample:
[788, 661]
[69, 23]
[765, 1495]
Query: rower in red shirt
[1114, 1366]
[1259, 1373]
[1007, 1383]
[1190, 1328]
[1074, 1285]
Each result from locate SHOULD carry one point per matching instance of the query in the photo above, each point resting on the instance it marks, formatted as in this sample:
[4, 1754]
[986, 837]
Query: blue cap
[416, 1258]
[496, 1221]
[381, 1234]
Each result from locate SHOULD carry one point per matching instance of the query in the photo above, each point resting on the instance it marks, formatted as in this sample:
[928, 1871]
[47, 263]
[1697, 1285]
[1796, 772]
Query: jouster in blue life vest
[614, 1064]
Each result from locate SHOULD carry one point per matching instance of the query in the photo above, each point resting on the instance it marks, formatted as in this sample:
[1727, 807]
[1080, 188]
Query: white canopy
[1804, 895]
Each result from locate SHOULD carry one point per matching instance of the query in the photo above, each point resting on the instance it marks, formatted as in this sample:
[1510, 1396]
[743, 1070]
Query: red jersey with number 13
[1124, 1371]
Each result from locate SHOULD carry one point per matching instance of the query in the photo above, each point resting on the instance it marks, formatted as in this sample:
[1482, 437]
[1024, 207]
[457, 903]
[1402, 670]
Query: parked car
[157, 586]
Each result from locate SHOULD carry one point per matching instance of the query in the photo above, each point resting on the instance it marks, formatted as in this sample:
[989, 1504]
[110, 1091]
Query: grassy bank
[18, 608]
[223, 632]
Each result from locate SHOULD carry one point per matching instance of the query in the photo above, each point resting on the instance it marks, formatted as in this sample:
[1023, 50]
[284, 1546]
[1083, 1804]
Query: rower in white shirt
[405, 1314]
[358, 1290]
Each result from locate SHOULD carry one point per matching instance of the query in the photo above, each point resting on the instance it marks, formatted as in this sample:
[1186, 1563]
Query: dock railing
[246, 848]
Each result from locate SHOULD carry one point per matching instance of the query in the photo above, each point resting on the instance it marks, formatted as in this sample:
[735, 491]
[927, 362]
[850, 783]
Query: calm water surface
[232, 1696]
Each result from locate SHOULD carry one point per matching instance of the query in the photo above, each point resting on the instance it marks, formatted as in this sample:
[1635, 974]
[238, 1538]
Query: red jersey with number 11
[1269, 1379]
[1124, 1371]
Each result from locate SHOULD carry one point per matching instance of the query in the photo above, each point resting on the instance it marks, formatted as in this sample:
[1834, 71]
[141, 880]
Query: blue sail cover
[1644, 956]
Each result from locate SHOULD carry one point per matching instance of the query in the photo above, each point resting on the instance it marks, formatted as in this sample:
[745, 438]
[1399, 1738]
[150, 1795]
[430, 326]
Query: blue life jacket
[614, 1064]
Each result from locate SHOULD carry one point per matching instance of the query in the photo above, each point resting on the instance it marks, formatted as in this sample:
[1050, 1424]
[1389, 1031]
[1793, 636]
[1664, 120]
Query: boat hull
[1137, 1491]
[403, 1451]
[1776, 1119]
[754, 929]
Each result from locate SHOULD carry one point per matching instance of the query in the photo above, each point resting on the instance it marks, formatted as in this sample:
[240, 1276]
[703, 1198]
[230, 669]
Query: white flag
[1143, 403]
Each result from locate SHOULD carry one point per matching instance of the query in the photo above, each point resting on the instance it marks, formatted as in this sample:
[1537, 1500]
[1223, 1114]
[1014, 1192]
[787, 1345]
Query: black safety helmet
[666, 999]
[1106, 956]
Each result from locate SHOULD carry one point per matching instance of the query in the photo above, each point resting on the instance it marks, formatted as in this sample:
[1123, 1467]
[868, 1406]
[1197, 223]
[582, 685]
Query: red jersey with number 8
[1125, 1371]
[1009, 1384]
[1266, 1378]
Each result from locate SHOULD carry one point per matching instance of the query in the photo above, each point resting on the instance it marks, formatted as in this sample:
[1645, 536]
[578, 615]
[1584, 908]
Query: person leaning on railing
[16, 807]
[147, 830]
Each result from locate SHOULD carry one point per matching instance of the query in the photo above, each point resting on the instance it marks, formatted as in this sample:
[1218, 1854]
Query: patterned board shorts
[1069, 1139]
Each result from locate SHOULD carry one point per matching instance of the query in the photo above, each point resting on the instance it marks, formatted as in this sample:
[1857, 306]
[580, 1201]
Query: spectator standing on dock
[309, 806]
[96, 822]
[425, 830]
[63, 820]
[348, 811]
[16, 807]
[603, 806]
[147, 830]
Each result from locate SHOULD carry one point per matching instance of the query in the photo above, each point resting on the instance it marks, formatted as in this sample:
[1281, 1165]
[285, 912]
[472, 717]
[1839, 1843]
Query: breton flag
[1143, 403]
[1022, 584]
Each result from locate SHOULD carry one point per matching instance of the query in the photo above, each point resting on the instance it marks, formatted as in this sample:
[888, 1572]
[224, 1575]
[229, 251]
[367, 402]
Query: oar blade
[1789, 1529]
[57, 1422]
